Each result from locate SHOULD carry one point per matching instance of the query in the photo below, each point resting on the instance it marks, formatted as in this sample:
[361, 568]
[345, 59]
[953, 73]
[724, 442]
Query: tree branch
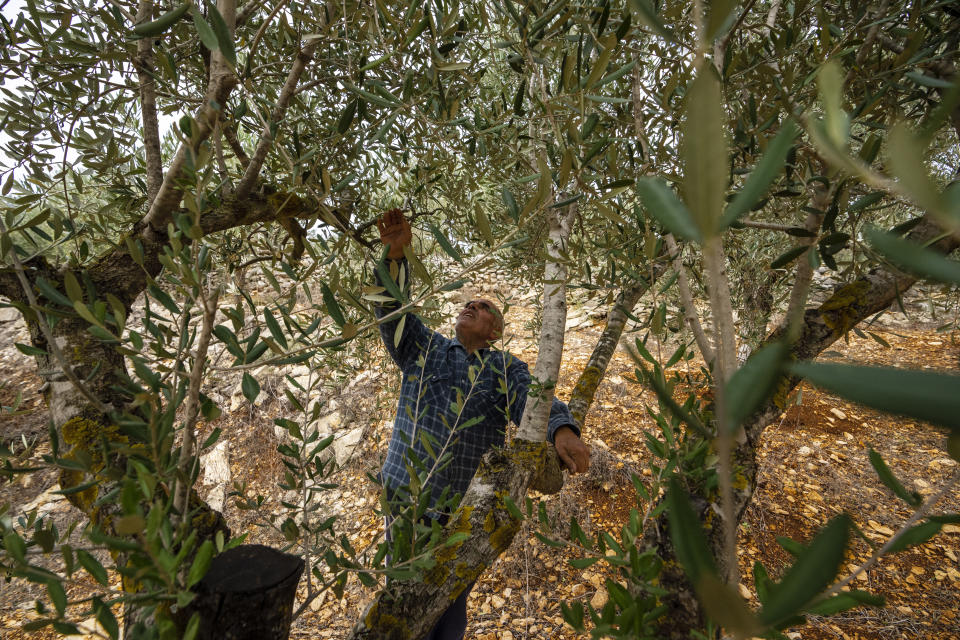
[533, 424]
[714, 259]
[279, 110]
[639, 124]
[596, 368]
[222, 81]
[720, 47]
[867, 42]
[849, 305]
[770, 226]
[804, 270]
[263, 27]
[772, 17]
[226, 185]
[686, 298]
[234, 142]
[143, 63]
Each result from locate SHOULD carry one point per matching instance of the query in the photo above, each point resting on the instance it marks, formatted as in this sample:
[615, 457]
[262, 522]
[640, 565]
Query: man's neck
[472, 347]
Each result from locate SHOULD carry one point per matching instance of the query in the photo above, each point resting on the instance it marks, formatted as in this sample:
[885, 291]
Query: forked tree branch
[279, 110]
[222, 81]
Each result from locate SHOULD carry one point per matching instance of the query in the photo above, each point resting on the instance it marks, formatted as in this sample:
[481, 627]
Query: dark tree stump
[247, 595]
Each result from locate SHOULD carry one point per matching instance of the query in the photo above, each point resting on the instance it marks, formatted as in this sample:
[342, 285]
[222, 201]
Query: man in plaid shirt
[456, 397]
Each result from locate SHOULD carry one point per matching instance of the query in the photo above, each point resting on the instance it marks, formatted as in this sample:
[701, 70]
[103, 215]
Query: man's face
[480, 321]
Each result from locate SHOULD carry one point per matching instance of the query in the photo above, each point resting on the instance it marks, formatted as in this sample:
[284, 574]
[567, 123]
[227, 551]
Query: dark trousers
[452, 625]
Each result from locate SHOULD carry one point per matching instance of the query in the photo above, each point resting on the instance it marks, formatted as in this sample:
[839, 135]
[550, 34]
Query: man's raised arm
[404, 348]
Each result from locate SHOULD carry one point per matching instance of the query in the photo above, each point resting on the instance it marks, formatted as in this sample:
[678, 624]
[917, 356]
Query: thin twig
[184, 471]
[63, 176]
[123, 11]
[686, 298]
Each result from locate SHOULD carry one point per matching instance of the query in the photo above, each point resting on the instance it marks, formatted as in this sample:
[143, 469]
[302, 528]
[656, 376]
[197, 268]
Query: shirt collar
[481, 354]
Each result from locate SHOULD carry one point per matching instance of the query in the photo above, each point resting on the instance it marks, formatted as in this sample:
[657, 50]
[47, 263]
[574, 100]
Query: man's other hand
[394, 232]
[574, 454]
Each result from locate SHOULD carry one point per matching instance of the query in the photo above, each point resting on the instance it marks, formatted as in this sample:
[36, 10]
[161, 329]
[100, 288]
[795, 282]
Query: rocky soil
[814, 465]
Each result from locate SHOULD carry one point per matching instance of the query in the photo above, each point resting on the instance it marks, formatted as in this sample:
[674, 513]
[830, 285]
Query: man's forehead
[489, 303]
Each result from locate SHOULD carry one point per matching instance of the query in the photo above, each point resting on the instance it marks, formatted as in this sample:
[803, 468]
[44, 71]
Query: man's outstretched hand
[394, 232]
[574, 454]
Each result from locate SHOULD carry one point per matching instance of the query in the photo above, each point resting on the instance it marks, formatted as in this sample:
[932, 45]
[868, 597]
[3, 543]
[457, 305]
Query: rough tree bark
[409, 609]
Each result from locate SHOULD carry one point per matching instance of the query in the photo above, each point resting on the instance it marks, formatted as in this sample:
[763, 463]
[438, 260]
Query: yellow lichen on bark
[390, 627]
[501, 532]
[840, 312]
[584, 391]
[85, 436]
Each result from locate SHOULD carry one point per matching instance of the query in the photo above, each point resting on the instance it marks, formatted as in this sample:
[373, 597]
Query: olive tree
[155, 151]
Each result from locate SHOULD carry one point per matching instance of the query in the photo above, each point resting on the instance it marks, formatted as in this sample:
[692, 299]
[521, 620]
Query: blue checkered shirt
[453, 406]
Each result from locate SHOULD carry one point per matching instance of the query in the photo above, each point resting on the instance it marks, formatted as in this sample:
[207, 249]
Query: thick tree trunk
[409, 609]
[89, 441]
[849, 305]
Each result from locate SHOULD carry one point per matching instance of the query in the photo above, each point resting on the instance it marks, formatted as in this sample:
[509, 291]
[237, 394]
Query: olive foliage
[156, 151]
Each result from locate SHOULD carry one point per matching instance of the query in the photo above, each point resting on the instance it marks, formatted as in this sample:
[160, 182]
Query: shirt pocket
[429, 368]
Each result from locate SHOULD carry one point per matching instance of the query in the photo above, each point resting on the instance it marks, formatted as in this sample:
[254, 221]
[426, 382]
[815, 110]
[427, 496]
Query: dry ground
[814, 465]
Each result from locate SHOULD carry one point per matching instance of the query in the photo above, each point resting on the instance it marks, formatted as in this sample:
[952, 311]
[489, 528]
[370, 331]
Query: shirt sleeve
[518, 384]
[414, 336]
